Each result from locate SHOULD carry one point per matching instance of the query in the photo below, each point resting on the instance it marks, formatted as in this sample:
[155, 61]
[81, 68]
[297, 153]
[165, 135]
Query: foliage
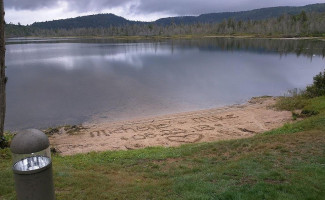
[107, 20]
[257, 14]
[313, 108]
[298, 100]
[91, 21]
[12, 30]
[5, 141]
[302, 17]
[5, 154]
[267, 22]
[318, 86]
[291, 103]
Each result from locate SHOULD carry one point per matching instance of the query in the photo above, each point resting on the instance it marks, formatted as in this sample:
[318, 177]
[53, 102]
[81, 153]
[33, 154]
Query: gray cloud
[190, 7]
[29, 4]
[150, 6]
[95, 5]
[76, 5]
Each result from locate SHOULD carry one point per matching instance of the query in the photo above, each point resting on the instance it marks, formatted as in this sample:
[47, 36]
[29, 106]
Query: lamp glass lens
[32, 163]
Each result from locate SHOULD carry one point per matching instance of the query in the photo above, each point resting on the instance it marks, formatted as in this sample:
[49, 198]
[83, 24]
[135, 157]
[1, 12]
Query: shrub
[5, 141]
[291, 103]
[308, 113]
[318, 87]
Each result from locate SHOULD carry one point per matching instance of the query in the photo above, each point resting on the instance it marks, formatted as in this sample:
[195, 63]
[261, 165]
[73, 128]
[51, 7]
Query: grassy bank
[287, 163]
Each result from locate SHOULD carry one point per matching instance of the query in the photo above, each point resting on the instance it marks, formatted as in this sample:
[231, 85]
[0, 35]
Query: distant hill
[108, 20]
[90, 21]
[257, 14]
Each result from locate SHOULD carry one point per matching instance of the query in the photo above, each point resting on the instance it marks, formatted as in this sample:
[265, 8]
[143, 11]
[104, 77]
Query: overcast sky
[29, 11]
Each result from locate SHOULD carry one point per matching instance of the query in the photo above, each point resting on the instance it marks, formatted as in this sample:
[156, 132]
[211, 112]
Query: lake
[70, 81]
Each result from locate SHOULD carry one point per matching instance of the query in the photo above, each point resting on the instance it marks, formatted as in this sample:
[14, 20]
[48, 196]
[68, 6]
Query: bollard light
[32, 166]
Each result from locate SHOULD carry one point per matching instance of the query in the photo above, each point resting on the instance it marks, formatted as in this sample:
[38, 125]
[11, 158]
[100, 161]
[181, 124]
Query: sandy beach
[225, 123]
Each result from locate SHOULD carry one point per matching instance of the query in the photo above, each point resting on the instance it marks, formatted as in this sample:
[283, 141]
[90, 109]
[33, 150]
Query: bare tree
[3, 78]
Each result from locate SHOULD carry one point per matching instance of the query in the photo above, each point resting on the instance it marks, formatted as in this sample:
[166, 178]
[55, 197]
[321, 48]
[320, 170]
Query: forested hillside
[108, 20]
[91, 21]
[257, 14]
[274, 24]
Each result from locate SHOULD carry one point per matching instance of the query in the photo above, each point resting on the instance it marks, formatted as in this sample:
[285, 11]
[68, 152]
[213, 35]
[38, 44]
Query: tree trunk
[3, 78]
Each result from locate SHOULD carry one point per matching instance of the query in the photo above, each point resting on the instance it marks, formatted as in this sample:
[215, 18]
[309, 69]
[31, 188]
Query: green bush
[5, 141]
[308, 113]
[291, 103]
[318, 87]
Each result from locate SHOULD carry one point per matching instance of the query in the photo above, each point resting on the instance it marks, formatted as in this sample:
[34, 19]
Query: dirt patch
[233, 122]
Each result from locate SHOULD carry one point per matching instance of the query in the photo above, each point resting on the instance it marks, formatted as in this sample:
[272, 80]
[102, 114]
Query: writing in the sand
[124, 129]
[163, 130]
[213, 118]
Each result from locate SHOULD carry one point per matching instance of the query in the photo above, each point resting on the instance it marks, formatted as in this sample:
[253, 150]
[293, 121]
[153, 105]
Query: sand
[225, 123]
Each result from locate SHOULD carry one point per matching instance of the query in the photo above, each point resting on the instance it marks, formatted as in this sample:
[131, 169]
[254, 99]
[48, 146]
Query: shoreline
[175, 37]
[223, 123]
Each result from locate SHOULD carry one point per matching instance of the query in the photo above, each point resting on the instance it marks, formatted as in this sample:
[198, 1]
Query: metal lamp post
[32, 166]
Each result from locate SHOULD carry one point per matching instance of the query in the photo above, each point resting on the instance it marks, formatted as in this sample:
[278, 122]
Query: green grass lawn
[287, 163]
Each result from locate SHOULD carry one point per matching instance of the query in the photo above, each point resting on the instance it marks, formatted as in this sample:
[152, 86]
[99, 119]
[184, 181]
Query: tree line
[303, 24]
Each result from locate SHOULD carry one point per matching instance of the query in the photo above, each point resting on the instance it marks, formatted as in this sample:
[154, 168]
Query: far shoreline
[175, 37]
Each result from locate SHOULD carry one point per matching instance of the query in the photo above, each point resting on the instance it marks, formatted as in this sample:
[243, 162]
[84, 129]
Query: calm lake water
[55, 82]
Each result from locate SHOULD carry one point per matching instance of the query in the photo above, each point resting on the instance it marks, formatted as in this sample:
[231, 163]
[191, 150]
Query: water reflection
[71, 82]
[304, 47]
